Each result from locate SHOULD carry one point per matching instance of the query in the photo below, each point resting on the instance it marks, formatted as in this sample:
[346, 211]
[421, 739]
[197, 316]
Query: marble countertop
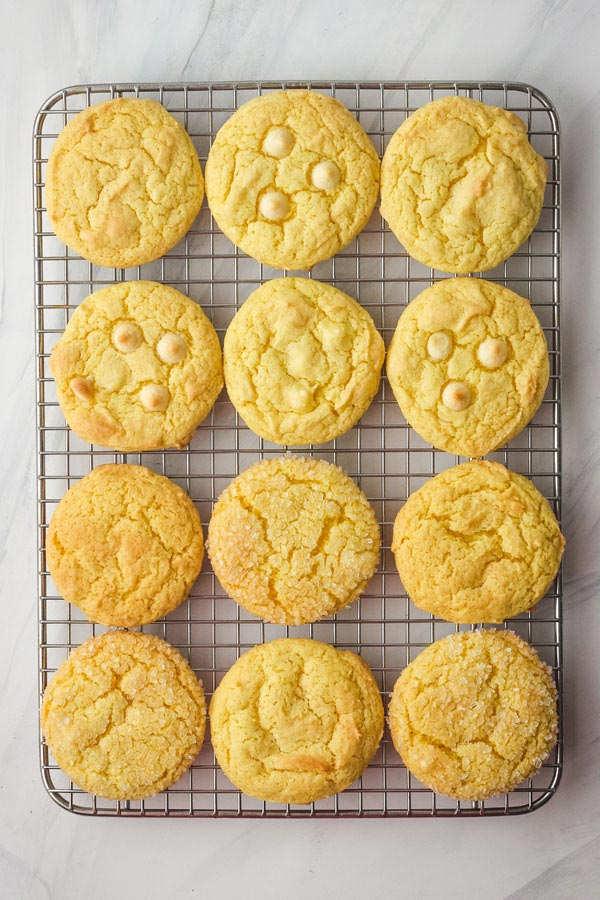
[551, 854]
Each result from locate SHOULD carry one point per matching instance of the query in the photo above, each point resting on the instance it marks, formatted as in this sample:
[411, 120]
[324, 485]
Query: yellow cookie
[125, 545]
[138, 367]
[293, 540]
[468, 365]
[477, 543]
[291, 178]
[461, 186]
[474, 714]
[296, 720]
[123, 183]
[124, 715]
[302, 361]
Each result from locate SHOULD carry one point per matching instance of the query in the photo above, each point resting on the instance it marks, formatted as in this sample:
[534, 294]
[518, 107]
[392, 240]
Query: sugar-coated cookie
[124, 715]
[293, 540]
[474, 714]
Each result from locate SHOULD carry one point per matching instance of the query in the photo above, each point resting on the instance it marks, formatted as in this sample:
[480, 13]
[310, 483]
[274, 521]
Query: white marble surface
[552, 854]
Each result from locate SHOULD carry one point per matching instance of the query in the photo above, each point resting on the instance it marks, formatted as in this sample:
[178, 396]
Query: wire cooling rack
[381, 453]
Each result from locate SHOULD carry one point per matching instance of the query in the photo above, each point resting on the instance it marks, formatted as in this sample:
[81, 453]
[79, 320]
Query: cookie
[302, 361]
[296, 720]
[461, 186]
[124, 545]
[477, 543]
[137, 368]
[124, 715]
[293, 540]
[474, 714]
[468, 365]
[123, 183]
[291, 178]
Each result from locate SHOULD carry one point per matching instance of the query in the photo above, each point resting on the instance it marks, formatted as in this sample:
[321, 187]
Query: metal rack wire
[382, 453]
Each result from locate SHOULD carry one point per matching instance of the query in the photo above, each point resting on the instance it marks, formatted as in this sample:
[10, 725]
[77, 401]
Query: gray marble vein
[572, 876]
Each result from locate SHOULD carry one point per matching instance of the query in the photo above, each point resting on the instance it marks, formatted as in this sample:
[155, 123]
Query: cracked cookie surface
[296, 720]
[138, 367]
[293, 540]
[125, 545]
[474, 714]
[124, 715]
[477, 543]
[483, 337]
[461, 186]
[124, 183]
[302, 361]
[291, 178]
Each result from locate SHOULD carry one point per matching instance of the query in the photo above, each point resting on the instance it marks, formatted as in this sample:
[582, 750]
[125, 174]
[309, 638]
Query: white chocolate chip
[274, 206]
[492, 353]
[439, 345]
[456, 396]
[325, 175]
[278, 142]
[82, 388]
[332, 335]
[300, 359]
[172, 347]
[126, 337]
[154, 397]
[298, 397]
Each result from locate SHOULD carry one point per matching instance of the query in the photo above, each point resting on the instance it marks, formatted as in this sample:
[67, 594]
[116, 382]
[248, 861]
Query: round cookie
[477, 543]
[124, 545]
[296, 720]
[124, 715]
[468, 365]
[293, 540]
[461, 186]
[137, 368]
[474, 714]
[291, 178]
[302, 361]
[123, 183]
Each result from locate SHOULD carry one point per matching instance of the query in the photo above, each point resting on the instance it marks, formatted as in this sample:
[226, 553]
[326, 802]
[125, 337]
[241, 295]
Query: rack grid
[382, 453]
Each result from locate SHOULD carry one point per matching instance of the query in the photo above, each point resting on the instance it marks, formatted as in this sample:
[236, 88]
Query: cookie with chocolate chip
[302, 361]
[468, 365]
[291, 178]
[137, 368]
